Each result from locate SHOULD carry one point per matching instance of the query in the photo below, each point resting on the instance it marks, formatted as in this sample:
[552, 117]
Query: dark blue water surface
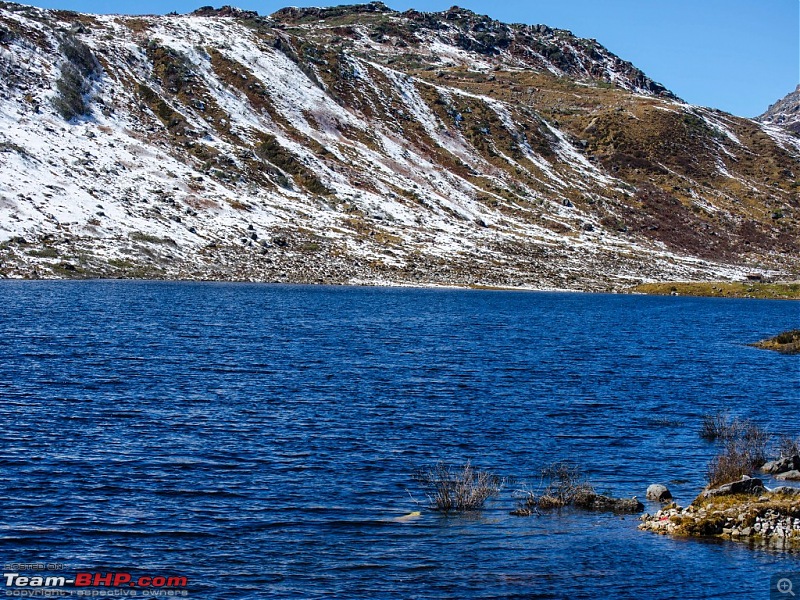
[261, 439]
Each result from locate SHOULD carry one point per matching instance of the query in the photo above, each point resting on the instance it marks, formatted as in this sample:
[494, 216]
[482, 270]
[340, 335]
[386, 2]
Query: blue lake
[261, 439]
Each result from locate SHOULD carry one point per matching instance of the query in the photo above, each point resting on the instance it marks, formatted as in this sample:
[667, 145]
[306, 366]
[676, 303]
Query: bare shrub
[716, 426]
[753, 440]
[744, 451]
[458, 489]
[788, 447]
[565, 486]
[729, 466]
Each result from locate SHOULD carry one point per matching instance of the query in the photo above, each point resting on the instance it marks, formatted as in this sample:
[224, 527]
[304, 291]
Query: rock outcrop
[743, 511]
[785, 112]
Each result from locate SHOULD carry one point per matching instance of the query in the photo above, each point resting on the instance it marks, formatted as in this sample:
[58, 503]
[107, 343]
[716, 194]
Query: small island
[787, 342]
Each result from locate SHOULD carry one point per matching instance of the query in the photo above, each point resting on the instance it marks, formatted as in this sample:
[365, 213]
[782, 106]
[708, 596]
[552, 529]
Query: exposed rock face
[785, 112]
[364, 145]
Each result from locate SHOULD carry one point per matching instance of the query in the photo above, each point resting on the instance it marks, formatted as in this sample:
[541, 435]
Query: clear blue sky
[736, 55]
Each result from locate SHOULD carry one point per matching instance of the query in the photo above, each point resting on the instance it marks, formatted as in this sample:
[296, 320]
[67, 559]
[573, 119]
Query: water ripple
[262, 439]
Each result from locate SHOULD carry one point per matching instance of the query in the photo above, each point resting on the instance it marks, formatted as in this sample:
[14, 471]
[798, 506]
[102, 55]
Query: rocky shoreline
[770, 518]
[744, 510]
[787, 342]
[289, 257]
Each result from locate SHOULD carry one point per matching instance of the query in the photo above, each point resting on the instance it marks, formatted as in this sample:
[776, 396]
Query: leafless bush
[717, 426]
[753, 441]
[458, 489]
[744, 451]
[565, 486]
[729, 466]
[787, 447]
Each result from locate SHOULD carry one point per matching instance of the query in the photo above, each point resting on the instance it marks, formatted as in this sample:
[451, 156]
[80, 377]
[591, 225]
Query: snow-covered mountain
[360, 144]
[785, 112]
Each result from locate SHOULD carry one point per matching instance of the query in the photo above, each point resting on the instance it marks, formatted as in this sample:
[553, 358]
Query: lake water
[261, 439]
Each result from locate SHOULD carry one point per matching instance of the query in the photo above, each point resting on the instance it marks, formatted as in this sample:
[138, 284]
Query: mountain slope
[359, 144]
[785, 112]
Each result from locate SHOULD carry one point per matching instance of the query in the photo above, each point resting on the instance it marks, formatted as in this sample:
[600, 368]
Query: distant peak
[785, 112]
[294, 13]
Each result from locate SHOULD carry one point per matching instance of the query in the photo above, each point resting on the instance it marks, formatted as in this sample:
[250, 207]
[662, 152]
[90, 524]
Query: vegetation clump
[72, 89]
[74, 85]
[271, 150]
[458, 489]
[744, 447]
[568, 487]
[788, 447]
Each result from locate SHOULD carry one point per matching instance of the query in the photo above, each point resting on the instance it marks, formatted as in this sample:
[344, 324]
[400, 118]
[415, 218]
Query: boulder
[602, 503]
[746, 485]
[658, 493]
[789, 476]
[788, 463]
[786, 490]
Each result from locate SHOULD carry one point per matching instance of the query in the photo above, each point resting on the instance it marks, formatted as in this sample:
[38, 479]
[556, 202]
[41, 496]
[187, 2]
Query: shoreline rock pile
[743, 510]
